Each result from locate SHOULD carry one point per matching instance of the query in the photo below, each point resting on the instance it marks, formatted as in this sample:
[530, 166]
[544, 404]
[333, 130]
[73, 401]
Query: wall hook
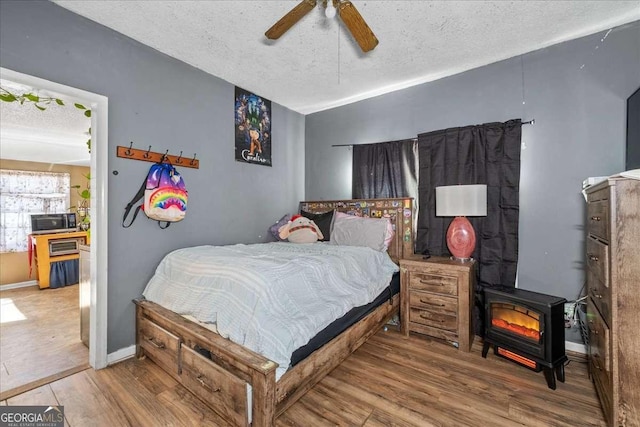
[155, 157]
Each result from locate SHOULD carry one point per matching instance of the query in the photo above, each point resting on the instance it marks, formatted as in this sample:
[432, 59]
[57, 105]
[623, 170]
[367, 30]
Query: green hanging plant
[82, 210]
[41, 103]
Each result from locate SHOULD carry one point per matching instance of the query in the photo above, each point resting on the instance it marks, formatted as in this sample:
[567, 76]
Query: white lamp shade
[461, 200]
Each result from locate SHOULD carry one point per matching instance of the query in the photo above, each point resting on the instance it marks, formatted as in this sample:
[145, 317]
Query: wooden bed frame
[179, 345]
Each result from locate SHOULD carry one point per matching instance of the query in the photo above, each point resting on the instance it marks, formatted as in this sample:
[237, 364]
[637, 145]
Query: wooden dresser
[436, 299]
[613, 303]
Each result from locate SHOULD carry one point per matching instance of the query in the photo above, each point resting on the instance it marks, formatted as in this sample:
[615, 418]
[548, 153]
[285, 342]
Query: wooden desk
[42, 257]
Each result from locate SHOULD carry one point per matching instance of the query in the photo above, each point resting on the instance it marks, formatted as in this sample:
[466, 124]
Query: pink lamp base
[461, 239]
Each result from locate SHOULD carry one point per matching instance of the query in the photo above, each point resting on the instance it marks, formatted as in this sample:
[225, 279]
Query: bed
[219, 371]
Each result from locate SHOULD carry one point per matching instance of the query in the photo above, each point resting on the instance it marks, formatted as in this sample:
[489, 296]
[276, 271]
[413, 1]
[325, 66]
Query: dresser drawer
[598, 216]
[434, 319]
[598, 340]
[222, 391]
[599, 354]
[436, 283]
[598, 260]
[433, 302]
[600, 296]
[159, 344]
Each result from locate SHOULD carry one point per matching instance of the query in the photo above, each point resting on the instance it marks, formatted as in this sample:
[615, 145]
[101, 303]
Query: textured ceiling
[56, 135]
[316, 65]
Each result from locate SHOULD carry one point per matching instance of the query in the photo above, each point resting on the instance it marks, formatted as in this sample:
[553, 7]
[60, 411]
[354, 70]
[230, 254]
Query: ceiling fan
[345, 9]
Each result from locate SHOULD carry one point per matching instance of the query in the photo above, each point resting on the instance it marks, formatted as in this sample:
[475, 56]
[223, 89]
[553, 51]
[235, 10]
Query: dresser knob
[595, 218]
[593, 257]
[595, 295]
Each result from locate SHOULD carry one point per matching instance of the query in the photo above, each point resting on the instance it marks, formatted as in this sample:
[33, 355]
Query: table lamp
[461, 201]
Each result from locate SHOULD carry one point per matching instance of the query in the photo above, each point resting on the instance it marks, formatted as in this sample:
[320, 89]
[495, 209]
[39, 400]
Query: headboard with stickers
[399, 211]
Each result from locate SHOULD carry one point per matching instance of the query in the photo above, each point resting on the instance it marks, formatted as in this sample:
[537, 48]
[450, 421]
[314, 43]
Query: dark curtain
[384, 170]
[482, 154]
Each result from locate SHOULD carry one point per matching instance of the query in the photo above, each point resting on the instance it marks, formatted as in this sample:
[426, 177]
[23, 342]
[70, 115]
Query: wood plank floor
[389, 381]
[39, 337]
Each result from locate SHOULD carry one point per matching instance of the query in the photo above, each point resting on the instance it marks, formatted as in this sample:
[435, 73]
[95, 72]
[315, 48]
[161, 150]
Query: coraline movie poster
[252, 128]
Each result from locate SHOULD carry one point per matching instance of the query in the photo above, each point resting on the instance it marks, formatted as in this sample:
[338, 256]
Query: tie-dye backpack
[165, 196]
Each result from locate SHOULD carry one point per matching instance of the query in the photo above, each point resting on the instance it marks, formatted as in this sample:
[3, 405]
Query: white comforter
[270, 297]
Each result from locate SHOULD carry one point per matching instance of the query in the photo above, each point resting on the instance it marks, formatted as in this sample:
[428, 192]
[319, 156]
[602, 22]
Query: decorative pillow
[389, 232]
[322, 220]
[275, 227]
[300, 230]
[352, 230]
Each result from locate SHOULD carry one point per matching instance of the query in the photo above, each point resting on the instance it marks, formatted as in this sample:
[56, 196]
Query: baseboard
[120, 355]
[575, 347]
[19, 285]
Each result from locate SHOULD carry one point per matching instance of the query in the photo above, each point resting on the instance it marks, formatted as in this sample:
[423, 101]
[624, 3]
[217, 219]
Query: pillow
[322, 220]
[389, 232]
[275, 227]
[356, 231]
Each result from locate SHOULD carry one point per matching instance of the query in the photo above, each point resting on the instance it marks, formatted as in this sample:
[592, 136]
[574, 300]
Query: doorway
[98, 184]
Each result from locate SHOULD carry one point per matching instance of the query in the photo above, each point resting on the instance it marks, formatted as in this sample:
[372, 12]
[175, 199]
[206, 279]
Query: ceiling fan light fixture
[348, 13]
[330, 10]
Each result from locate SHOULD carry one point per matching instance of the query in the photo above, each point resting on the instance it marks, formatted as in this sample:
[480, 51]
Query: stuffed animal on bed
[300, 230]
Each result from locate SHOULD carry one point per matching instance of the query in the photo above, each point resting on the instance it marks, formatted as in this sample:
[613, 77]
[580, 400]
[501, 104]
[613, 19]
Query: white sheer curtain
[23, 193]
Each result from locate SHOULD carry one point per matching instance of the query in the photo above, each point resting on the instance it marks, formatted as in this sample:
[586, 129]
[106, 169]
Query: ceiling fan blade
[357, 26]
[288, 20]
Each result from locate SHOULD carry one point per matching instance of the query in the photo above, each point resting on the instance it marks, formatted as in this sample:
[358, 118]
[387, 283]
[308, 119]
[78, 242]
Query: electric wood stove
[527, 328]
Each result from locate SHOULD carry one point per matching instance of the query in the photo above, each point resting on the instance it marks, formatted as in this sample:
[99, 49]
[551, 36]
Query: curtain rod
[530, 122]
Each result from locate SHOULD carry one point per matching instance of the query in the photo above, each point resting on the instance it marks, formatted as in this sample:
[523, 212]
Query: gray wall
[576, 92]
[159, 101]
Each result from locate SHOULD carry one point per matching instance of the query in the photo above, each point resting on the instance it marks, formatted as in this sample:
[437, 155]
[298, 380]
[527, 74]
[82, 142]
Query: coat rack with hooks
[155, 157]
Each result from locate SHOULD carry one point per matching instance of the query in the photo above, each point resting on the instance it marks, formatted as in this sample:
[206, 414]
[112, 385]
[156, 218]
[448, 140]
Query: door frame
[99, 193]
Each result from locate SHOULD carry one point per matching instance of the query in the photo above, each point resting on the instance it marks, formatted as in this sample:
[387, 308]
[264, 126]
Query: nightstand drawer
[433, 302]
[439, 333]
[434, 319]
[434, 283]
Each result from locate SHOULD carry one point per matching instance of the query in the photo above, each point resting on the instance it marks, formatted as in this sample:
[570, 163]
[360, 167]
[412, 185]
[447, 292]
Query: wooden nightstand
[436, 298]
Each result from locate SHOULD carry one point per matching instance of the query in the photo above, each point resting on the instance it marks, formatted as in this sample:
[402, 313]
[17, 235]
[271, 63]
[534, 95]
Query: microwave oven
[53, 223]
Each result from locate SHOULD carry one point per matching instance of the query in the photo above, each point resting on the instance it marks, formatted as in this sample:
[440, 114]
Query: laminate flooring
[389, 381]
[39, 337]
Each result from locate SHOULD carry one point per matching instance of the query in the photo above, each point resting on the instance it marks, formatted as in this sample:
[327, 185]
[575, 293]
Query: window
[23, 193]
